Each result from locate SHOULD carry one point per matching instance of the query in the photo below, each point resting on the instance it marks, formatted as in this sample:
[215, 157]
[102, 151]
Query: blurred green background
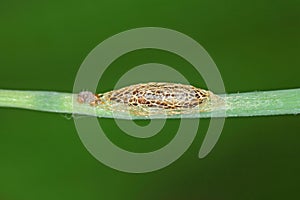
[256, 46]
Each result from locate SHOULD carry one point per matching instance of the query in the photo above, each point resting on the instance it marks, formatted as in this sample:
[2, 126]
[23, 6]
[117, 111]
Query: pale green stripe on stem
[278, 102]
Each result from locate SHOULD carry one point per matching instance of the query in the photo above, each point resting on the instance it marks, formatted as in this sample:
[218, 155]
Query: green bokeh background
[256, 46]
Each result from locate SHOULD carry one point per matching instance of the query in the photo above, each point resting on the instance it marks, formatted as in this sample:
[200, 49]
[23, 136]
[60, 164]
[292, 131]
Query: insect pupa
[153, 96]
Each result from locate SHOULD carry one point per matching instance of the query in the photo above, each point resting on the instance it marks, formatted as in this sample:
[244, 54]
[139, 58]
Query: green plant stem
[279, 102]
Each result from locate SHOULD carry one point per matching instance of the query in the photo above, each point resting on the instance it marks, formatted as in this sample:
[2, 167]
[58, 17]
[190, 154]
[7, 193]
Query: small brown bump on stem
[86, 97]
